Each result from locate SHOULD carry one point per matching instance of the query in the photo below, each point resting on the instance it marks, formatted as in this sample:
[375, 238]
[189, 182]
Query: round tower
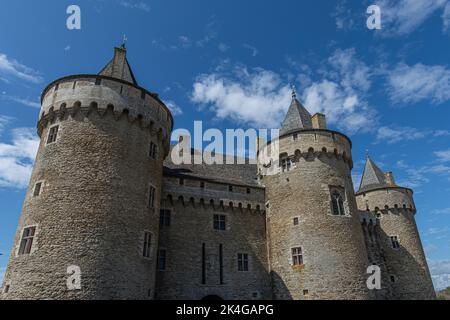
[401, 247]
[316, 246]
[90, 219]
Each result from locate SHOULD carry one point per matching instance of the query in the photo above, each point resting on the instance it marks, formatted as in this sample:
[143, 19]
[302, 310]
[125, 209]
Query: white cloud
[395, 134]
[10, 67]
[341, 94]
[16, 159]
[257, 97]
[174, 108]
[443, 155]
[446, 18]
[23, 101]
[135, 5]
[2, 274]
[440, 273]
[67, 48]
[261, 97]
[254, 50]
[410, 84]
[401, 17]
[4, 120]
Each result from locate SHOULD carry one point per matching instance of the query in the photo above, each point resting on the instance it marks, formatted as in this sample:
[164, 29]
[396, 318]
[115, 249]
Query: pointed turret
[372, 177]
[119, 67]
[296, 118]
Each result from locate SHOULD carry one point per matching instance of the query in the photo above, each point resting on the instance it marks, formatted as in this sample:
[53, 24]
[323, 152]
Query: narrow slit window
[153, 150]
[151, 197]
[147, 244]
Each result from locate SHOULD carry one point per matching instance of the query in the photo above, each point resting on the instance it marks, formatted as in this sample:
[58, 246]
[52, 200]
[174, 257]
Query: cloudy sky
[231, 64]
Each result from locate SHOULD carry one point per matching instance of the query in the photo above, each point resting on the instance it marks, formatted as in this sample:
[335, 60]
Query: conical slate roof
[372, 177]
[296, 118]
[119, 67]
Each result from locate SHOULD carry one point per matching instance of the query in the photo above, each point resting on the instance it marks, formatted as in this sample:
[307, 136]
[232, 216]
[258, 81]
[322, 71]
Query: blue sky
[230, 63]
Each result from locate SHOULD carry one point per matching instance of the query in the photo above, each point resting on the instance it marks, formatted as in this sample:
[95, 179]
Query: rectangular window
[164, 218]
[37, 189]
[52, 134]
[219, 222]
[27, 240]
[151, 197]
[202, 185]
[395, 242]
[230, 188]
[181, 181]
[153, 150]
[295, 136]
[161, 259]
[98, 81]
[286, 165]
[147, 244]
[242, 262]
[392, 279]
[248, 190]
[297, 257]
[295, 221]
[6, 289]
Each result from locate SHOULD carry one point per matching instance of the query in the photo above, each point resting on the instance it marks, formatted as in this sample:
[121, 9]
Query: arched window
[337, 203]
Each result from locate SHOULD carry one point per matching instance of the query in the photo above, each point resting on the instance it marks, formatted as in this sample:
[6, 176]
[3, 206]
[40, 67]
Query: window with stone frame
[219, 222]
[52, 134]
[242, 262]
[286, 164]
[162, 259]
[297, 256]
[337, 201]
[147, 244]
[395, 243]
[37, 189]
[164, 218]
[26, 243]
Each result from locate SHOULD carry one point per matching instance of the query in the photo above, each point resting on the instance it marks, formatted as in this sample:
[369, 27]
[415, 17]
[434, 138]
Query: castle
[106, 201]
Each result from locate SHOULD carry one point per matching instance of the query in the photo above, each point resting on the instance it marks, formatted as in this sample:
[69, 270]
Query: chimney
[390, 178]
[318, 121]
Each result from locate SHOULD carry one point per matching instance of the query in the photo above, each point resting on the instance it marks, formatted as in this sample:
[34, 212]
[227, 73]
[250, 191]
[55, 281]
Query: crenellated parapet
[387, 200]
[88, 92]
[307, 145]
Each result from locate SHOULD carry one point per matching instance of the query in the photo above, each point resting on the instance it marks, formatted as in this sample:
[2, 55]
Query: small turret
[398, 242]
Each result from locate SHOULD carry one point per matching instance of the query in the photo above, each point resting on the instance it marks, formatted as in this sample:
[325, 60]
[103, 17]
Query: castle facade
[108, 215]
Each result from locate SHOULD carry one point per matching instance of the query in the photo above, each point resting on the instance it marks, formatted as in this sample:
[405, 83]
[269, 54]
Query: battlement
[308, 144]
[102, 92]
[385, 200]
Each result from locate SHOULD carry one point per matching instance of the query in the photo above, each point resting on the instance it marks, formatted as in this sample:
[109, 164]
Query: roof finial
[367, 154]
[294, 94]
[124, 40]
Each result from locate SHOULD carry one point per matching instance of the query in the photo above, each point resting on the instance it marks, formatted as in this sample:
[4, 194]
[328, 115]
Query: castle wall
[192, 210]
[334, 255]
[407, 264]
[93, 208]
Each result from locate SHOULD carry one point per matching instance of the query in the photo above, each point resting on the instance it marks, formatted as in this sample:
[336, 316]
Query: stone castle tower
[312, 211]
[108, 215]
[93, 198]
[393, 241]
